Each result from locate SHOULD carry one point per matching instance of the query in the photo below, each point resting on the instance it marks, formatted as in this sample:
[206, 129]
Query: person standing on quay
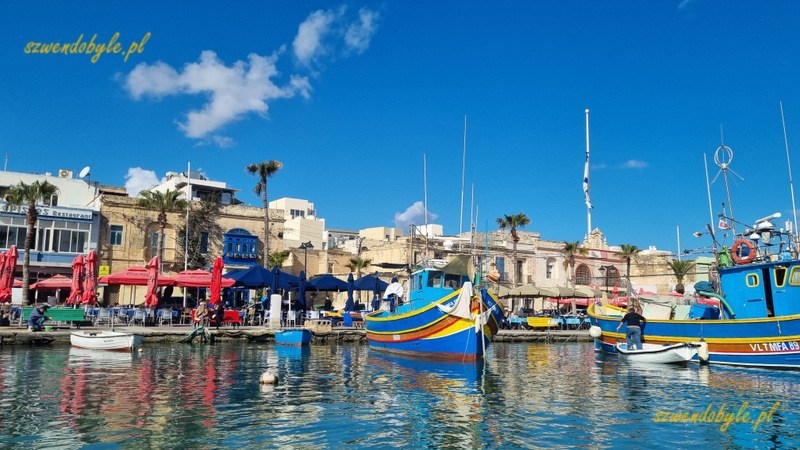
[633, 333]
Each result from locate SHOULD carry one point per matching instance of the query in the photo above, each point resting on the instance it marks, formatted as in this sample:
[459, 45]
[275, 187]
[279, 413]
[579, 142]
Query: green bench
[67, 315]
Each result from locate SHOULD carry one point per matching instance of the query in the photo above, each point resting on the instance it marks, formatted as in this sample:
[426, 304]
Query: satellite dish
[84, 172]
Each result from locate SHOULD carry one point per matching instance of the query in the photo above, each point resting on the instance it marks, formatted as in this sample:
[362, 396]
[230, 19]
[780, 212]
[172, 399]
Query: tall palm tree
[357, 263]
[264, 170]
[513, 222]
[163, 202]
[278, 258]
[27, 195]
[629, 252]
[569, 252]
[680, 269]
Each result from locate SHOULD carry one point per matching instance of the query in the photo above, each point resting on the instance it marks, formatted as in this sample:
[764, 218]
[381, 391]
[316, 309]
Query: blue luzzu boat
[443, 317]
[759, 324]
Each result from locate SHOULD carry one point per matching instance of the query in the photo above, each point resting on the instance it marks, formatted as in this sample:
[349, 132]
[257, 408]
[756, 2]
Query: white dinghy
[105, 340]
[659, 354]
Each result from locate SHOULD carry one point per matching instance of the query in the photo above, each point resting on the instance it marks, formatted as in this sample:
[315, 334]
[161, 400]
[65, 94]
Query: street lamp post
[605, 269]
[306, 246]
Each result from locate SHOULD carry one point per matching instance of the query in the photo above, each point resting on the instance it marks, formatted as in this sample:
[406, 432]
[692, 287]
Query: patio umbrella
[301, 291]
[367, 283]
[76, 287]
[254, 278]
[349, 304]
[327, 282]
[54, 282]
[7, 274]
[530, 290]
[90, 279]
[136, 276]
[150, 297]
[216, 282]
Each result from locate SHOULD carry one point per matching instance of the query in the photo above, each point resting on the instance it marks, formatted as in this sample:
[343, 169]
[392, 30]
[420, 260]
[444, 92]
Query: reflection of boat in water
[445, 372]
[442, 317]
[659, 354]
[105, 340]
[292, 352]
[88, 357]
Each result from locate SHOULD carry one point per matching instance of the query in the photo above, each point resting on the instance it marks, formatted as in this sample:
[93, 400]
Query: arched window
[613, 276]
[583, 275]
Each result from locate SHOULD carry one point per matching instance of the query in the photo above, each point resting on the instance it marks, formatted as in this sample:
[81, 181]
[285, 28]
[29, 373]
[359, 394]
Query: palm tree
[163, 202]
[513, 222]
[27, 195]
[278, 258]
[629, 252]
[264, 170]
[570, 250]
[357, 263]
[680, 269]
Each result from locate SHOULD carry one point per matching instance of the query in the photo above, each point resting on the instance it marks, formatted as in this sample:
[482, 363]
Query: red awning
[134, 276]
[198, 279]
[568, 301]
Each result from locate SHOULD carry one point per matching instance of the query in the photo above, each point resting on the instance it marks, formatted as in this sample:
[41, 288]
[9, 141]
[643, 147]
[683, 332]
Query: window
[115, 235]
[295, 213]
[452, 281]
[153, 243]
[435, 279]
[240, 247]
[583, 275]
[794, 276]
[500, 263]
[204, 242]
[751, 280]
[549, 268]
[780, 276]
[612, 275]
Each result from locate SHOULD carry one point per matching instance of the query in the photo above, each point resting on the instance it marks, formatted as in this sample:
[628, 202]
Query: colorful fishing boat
[444, 317]
[758, 323]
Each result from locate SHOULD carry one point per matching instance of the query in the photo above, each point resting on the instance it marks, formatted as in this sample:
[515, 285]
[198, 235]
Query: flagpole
[586, 183]
[186, 238]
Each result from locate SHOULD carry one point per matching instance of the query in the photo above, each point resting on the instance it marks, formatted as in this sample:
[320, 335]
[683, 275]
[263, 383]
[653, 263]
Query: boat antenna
[708, 190]
[471, 223]
[789, 164]
[463, 170]
[723, 157]
[425, 190]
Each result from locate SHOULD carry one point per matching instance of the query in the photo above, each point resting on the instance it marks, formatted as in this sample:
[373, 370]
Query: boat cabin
[762, 290]
[432, 284]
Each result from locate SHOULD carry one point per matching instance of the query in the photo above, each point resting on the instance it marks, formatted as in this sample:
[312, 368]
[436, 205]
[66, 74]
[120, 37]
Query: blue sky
[350, 95]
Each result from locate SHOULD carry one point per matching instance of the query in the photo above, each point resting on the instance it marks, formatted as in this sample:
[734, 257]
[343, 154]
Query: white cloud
[414, 214]
[634, 164]
[308, 45]
[233, 90]
[330, 33]
[360, 33]
[138, 179]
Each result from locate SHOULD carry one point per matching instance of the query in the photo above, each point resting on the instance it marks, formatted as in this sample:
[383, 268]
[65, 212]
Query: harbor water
[345, 396]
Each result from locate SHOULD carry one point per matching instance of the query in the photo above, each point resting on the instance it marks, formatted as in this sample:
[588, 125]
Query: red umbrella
[54, 282]
[151, 298]
[7, 274]
[134, 276]
[198, 278]
[90, 279]
[76, 286]
[216, 282]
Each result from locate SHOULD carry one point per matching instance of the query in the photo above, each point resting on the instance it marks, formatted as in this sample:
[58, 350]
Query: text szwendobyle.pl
[92, 47]
[722, 416]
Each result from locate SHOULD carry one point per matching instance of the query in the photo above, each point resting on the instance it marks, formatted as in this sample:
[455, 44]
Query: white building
[301, 223]
[201, 187]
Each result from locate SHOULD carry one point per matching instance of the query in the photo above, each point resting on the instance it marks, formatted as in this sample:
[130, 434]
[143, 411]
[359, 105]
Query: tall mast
[789, 163]
[463, 170]
[586, 182]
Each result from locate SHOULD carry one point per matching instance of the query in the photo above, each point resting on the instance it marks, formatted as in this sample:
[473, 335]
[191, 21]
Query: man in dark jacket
[37, 318]
[633, 333]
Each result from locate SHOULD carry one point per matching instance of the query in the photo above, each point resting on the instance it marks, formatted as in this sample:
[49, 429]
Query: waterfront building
[68, 223]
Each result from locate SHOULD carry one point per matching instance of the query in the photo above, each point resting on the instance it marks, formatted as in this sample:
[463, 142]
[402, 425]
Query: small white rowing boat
[105, 340]
[659, 354]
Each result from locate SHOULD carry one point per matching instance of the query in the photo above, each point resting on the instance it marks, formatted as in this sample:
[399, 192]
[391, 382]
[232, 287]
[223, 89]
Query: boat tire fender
[702, 352]
[751, 254]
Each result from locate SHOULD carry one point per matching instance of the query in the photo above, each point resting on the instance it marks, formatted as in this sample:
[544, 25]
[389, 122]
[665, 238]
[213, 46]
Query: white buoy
[140, 350]
[268, 378]
[595, 331]
[702, 352]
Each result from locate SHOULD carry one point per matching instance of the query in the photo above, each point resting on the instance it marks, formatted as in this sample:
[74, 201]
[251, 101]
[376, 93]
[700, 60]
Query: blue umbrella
[276, 275]
[254, 277]
[327, 282]
[367, 283]
[301, 291]
[350, 304]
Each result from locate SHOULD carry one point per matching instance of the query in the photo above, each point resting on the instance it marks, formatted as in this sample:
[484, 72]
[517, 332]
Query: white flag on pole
[586, 181]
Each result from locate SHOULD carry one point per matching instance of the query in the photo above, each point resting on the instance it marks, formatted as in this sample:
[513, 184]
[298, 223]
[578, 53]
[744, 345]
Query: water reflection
[333, 396]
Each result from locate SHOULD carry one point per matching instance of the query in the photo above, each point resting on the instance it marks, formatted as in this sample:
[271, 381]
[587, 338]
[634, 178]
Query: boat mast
[586, 183]
[463, 170]
[708, 190]
[791, 185]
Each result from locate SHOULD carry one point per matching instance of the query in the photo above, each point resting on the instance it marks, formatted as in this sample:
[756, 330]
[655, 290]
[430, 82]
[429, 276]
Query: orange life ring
[751, 254]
